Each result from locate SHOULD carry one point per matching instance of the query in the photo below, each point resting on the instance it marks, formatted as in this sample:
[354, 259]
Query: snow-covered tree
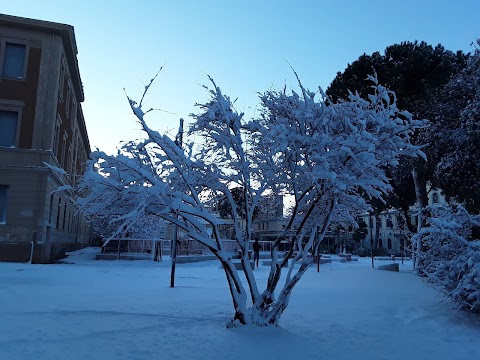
[147, 227]
[451, 259]
[325, 157]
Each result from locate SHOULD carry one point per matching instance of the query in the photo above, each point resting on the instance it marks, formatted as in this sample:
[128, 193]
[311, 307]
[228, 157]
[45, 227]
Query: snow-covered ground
[126, 310]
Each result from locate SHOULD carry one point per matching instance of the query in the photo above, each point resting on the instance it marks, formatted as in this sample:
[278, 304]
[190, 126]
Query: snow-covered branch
[325, 157]
[450, 259]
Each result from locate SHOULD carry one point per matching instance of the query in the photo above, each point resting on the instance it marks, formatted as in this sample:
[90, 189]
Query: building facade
[41, 128]
[391, 225]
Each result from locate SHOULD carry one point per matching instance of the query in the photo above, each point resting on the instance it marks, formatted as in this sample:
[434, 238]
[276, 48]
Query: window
[61, 79]
[58, 213]
[65, 214]
[50, 212]
[74, 109]
[3, 204]
[389, 222]
[63, 160]
[70, 160]
[435, 198]
[67, 100]
[75, 155]
[14, 60]
[56, 138]
[8, 128]
[389, 243]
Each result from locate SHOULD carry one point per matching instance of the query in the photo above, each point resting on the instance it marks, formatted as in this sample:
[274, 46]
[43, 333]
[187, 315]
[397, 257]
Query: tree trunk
[370, 231]
[420, 184]
[408, 220]
[378, 223]
[422, 200]
[318, 259]
[174, 256]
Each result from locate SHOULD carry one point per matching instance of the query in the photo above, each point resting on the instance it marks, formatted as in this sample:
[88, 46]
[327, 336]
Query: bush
[361, 251]
[467, 269]
[450, 259]
[380, 251]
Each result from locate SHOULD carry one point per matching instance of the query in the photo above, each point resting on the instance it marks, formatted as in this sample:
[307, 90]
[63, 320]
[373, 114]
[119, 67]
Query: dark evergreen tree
[225, 209]
[458, 130]
[360, 233]
[417, 73]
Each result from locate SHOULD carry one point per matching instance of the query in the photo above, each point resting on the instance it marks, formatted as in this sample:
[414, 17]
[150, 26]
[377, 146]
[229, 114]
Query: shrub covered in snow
[326, 158]
[450, 257]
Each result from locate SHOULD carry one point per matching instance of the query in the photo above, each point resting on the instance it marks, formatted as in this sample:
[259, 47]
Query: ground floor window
[3, 204]
[8, 128]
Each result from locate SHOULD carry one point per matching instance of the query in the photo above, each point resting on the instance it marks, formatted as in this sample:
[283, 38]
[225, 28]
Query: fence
[189, 247]
[185, 247]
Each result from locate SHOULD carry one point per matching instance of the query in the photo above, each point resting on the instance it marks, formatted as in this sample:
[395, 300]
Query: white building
[392, 226]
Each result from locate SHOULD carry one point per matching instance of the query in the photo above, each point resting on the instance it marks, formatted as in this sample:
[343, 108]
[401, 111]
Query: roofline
[68, 37]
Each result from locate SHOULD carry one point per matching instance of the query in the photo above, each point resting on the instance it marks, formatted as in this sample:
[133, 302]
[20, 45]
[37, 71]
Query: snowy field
[126, 310]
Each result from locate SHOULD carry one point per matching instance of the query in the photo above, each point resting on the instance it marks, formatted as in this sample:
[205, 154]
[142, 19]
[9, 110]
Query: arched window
[389, 222]
[380, 243]
[389, 243]
[435, 198]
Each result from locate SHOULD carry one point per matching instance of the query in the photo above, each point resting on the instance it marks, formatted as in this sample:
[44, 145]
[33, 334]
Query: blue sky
[244, 45]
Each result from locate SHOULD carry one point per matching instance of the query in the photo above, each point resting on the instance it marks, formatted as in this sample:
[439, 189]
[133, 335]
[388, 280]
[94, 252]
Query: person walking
[256, 252]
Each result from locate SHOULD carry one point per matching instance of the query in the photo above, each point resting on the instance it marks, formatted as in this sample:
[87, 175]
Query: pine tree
[458, 131]
[417, 73]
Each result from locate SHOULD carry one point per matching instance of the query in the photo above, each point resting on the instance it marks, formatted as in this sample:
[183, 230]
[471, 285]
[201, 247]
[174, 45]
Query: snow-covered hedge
[450, 258]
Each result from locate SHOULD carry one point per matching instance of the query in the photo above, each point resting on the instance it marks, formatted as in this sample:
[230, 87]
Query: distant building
[41, 121]
[268, 223]
[392, 227]
[270, 207]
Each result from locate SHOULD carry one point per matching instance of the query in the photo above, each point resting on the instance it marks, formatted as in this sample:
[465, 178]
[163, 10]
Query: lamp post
[173, 251]
[371, 237]
[318, 251]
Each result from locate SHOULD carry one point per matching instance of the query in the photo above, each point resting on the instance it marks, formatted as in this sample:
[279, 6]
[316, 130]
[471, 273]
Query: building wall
[51, 130]
[22, 201]
[391, 232]
[268, 229]
[270, 207]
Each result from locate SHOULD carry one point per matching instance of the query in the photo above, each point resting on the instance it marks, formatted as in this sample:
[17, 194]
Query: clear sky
[244, 45]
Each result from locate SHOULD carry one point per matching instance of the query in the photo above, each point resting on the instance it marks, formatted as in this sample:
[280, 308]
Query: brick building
[41, 122]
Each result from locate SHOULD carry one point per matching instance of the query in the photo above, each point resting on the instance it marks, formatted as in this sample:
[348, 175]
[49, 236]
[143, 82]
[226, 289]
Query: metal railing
[185, 247]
